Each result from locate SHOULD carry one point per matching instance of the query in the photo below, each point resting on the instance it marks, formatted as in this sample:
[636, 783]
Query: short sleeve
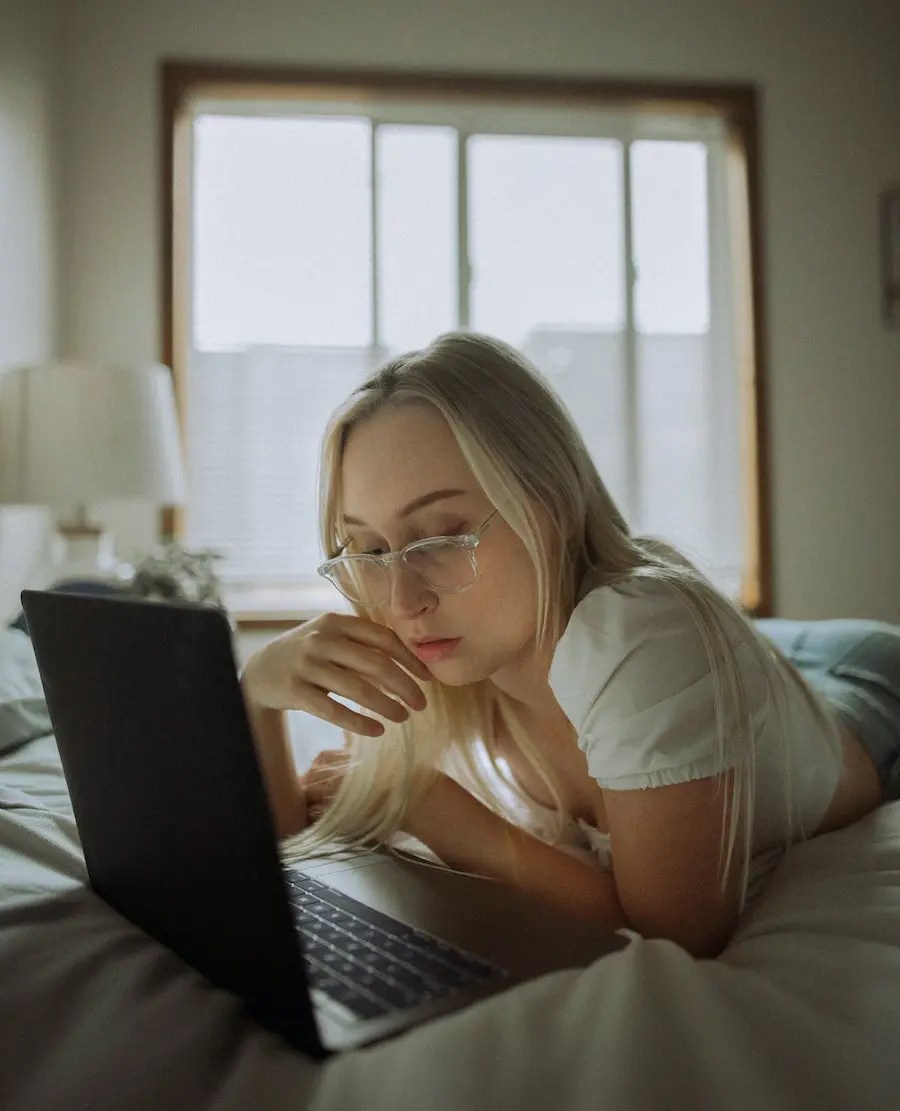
[631, 674]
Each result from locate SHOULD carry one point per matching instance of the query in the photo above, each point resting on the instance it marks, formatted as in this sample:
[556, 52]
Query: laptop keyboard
[369, 962]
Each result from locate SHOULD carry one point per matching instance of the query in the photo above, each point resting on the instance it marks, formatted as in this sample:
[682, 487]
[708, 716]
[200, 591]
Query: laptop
[173, 816]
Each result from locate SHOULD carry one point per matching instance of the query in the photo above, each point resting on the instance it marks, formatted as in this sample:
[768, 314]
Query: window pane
[417, 239]
[282, 231]
[545, 238]
[255, 424]
[547, 273]
[674, 418]
[587, 369]
[671, 241]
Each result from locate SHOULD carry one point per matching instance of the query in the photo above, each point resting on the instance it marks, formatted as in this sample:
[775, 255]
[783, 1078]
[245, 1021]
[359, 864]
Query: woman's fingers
[381, 671]
[388, 675]
[348, 684]
[319, 704]
[386, 640]
[395, 648]
[347, 657]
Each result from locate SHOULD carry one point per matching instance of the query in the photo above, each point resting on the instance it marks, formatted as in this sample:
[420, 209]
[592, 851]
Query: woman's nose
[409, 591]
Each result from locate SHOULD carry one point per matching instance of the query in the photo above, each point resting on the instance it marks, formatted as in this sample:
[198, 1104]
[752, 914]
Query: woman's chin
[459, 673]
[450, 675]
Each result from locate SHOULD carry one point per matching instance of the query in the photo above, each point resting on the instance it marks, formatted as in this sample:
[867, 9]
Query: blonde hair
[523, 448]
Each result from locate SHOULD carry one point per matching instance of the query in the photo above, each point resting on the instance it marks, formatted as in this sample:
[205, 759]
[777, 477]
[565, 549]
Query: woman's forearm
[467, 835]
[286, 797]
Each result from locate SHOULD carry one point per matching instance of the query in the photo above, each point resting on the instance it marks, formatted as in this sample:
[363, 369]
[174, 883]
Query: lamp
[73, 433]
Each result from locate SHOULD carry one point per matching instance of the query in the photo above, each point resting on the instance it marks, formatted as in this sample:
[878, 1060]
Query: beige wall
[29, 264]
[827, 71]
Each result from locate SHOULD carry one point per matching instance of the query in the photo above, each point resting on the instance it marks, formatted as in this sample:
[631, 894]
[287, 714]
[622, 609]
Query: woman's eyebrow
[411, 507]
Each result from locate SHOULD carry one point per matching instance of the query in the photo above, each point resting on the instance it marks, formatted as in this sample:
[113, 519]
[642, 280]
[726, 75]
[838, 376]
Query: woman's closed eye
[455, 530]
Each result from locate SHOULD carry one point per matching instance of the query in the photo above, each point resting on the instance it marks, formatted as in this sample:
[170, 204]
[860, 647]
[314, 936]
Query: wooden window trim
[182, 81]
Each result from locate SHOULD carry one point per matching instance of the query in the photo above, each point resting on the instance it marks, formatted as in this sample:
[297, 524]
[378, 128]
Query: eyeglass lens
[444, 566]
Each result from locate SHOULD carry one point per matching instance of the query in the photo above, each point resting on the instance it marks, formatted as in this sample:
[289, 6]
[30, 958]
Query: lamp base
[81, 552]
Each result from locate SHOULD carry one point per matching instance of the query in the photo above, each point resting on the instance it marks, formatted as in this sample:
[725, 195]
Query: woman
[564, 707]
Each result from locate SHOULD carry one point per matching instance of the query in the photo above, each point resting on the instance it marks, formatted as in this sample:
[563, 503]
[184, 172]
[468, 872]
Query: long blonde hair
[523, 448]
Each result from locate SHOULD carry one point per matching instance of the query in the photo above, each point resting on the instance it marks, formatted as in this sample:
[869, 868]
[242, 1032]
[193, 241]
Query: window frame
[183, 83]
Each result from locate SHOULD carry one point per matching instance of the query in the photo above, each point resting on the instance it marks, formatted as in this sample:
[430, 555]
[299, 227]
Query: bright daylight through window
[324, 240]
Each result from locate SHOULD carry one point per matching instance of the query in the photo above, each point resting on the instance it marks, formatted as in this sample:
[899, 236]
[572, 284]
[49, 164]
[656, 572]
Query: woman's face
[406, 457]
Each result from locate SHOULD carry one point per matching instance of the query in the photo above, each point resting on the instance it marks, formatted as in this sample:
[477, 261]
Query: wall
[828, 77]
[30, 49]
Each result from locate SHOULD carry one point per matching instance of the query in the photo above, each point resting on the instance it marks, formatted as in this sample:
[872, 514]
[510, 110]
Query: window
[320, 233]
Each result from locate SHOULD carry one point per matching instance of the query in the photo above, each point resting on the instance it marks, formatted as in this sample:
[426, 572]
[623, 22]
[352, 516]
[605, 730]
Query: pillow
[23, 709]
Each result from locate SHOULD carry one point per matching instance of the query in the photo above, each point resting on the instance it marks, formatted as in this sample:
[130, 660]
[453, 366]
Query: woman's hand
[338, 654]
[322, 779]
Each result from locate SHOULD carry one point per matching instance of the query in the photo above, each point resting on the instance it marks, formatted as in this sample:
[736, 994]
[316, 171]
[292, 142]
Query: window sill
[281, 606]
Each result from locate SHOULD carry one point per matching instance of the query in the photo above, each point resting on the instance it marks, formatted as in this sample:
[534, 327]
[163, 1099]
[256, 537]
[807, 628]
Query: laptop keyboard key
[354, 1000]
[363, 958]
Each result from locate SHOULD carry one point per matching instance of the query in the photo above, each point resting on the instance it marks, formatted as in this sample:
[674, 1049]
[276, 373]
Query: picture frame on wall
[890, 255]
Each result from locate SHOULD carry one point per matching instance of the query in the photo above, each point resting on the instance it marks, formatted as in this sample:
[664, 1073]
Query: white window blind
[325, 241]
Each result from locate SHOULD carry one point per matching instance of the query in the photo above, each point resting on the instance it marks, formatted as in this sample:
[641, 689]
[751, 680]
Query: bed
[801, 1010]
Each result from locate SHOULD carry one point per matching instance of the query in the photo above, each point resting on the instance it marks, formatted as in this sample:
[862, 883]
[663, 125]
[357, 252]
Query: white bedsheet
[801, 1011]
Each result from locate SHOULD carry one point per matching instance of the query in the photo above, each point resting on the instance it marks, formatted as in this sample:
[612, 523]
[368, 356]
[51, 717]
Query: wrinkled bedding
[801, 1010]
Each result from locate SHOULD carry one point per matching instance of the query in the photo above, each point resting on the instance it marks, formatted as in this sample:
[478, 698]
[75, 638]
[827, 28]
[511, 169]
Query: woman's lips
[433, 650]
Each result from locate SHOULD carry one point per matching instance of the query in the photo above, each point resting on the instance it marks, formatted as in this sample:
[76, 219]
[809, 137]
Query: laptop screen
[167, 793]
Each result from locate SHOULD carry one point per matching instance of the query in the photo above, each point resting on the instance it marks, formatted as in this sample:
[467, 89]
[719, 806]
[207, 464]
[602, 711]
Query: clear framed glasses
[445, 564]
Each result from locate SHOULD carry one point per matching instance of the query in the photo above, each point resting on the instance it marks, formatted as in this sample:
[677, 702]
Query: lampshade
[72, 433]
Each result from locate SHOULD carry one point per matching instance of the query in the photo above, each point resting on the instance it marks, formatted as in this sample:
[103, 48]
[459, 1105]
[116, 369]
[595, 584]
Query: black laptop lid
[167, 793]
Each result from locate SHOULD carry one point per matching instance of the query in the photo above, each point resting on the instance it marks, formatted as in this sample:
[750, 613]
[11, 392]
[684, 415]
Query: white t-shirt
[631, 674]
